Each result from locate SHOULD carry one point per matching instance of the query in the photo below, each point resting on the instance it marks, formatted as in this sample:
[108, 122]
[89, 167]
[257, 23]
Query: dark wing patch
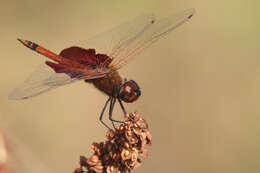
[60, 68]
[85, 56]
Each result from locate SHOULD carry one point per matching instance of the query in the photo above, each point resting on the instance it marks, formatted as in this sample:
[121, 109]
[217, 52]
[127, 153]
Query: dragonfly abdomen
[37, 48]
[41, 50]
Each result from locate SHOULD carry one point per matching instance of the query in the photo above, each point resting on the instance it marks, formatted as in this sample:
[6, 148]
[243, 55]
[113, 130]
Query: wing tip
[191, 12]
[16, 95]
[10, 97]
[13, 96]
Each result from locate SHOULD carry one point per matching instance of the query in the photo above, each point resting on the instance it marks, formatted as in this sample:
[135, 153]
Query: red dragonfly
[98, 60]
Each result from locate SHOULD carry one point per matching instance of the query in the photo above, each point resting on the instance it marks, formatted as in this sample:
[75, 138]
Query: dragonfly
[98, 59]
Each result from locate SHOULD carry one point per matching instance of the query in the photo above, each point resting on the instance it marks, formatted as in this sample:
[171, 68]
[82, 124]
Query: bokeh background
[200, 85]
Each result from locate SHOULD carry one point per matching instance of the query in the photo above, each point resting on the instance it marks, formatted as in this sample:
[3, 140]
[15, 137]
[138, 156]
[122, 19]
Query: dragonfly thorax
[108, 84]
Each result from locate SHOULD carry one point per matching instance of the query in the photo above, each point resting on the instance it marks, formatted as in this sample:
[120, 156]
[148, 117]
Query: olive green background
[200, 85]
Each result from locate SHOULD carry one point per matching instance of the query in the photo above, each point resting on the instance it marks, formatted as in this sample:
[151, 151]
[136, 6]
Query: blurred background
[200, 85]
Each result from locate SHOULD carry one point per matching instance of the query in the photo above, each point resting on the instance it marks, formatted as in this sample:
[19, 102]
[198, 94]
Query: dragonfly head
[129, 91]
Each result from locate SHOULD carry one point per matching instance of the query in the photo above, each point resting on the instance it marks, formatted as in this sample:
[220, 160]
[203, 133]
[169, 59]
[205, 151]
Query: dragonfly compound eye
[129, 91]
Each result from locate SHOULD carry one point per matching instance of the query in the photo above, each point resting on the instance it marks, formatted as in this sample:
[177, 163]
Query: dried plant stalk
[123, 149]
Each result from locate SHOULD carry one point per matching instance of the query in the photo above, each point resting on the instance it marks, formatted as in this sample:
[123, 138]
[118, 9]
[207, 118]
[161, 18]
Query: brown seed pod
[122, 150]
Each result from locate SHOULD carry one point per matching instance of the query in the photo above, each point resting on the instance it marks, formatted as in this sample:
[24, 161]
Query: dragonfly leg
[102, 113]
[112, 104]
[111, 108]
[122, 106]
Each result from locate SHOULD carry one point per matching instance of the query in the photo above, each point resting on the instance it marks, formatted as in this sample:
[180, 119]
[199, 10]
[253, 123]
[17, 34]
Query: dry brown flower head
[123, 149]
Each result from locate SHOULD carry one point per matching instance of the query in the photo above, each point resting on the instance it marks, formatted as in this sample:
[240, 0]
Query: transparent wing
[107, 41]
[123, 52]
[44, 79]
[127, 40]
[41, 80]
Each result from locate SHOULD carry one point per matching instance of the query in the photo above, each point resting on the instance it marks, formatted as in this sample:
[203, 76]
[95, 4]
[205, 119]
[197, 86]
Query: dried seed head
[78, 170]
[125, 154]
[127, 145]
[144, 153]
[110, 135]
[122, 150]
[112, 169]
[93, 160]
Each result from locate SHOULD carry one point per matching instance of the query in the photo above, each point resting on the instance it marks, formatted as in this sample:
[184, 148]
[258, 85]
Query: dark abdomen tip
[28, 44]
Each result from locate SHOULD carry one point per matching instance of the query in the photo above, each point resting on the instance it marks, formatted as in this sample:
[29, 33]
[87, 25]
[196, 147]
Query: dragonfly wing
[75, 73]
[41, 80]
[127, 40]
[158, 29]
[107, 42]
[44, 78]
